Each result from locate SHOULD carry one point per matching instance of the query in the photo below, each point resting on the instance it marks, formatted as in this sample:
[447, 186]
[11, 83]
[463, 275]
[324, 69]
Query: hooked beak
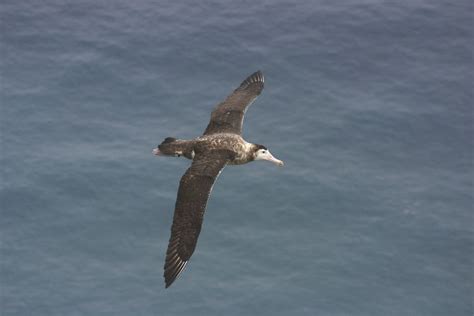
[270, 158]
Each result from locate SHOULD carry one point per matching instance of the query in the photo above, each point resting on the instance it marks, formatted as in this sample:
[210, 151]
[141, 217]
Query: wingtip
[173, 272]
[256, 77]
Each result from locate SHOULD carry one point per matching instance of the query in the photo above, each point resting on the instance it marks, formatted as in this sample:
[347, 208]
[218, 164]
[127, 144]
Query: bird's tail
[175, 147]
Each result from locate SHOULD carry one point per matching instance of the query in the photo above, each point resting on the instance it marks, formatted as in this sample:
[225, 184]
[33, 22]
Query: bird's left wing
[193, 193]
[228, 116]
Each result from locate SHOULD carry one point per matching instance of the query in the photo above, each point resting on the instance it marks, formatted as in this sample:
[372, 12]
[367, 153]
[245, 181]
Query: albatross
[220, 145]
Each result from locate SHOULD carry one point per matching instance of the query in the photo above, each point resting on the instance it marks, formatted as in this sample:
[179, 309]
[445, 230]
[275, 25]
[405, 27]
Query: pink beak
[277, 162]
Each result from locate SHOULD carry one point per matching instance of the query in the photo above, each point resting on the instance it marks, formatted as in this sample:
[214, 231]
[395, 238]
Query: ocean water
[369, 103]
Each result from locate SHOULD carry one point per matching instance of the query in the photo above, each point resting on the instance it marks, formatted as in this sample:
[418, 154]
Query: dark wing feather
[228, 116]
[193, 193]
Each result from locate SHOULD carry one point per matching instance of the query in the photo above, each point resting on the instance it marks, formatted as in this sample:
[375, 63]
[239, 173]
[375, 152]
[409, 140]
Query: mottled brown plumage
[228, 116]
[220, 145]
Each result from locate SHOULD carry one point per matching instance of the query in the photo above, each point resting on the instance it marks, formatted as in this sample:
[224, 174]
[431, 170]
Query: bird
[220, 145]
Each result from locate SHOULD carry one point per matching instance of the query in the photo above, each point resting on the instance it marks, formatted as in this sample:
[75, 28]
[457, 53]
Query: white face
[264, 154]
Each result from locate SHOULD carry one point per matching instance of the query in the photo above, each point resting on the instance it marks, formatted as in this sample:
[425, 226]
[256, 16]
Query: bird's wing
[193, 193]
[228, 116]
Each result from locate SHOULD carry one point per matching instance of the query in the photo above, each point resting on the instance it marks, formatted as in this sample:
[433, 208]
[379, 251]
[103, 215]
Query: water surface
[369, 104]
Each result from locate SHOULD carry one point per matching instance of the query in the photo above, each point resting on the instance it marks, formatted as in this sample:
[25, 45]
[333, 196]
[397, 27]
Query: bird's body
[220, 145]
[240, 151]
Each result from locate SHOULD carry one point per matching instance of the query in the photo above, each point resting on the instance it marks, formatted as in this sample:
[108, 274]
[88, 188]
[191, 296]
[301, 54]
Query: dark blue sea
[369, 103]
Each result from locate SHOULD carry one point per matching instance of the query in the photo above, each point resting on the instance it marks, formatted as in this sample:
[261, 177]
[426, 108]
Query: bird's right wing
[193, 193]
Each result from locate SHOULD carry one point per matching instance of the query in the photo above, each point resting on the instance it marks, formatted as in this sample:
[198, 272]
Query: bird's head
[262, 153]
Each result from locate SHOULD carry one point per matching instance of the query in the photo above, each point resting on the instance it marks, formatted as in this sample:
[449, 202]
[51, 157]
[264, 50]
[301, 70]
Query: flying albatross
[220, 145]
